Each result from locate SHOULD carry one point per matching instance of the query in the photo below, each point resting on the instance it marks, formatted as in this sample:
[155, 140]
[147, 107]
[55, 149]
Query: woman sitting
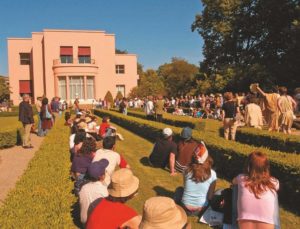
[257, 194]
[199, 183]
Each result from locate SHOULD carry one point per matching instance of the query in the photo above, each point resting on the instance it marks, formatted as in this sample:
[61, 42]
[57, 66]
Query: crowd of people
[104, 181]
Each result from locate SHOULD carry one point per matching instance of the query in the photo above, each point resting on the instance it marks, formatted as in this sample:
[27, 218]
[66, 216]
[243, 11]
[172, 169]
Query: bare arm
[211, 190]
[260, 91]
[172, 163]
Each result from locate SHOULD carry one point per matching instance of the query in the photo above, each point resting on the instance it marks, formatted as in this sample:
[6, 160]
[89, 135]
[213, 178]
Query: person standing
[229, 111]
[253, 114]
[46, 116]
[149, 108]
[76, 105]
[286, 105]
[26, 117]
[38, 106]
[159, 108]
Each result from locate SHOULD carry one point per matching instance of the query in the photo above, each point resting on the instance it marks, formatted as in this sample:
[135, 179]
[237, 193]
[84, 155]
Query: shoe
[28, 147]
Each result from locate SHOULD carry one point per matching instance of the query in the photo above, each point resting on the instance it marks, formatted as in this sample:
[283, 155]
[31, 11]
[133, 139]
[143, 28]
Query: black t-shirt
[161, 152]
[230, 109]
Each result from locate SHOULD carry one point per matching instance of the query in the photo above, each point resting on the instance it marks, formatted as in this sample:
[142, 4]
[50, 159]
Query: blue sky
[156, 30]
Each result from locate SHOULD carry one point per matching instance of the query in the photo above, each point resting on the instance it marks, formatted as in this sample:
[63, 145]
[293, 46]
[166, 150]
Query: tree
[256, 39]
[178, 76]
[4, 89]
[119, 51]
[150, 84]
[109, 98]
[119, 95]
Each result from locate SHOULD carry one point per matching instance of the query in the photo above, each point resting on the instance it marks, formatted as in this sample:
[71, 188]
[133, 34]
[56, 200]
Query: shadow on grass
[161, 191]
[145, 161]
[75, 212]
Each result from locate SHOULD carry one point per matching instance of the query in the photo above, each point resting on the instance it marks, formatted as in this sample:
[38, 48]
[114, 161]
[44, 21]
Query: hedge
[15, 112]
[42, 197]
[247, 135]
[229, 156]
[10, 138]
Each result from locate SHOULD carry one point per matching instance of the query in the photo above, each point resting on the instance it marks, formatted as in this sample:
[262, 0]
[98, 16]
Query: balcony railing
[75, 61]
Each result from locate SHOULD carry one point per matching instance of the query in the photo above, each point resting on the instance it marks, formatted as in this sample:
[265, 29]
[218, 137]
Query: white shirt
[71, 141]
[149, 107]
[88, 194]
[113, 158]
[253, 115]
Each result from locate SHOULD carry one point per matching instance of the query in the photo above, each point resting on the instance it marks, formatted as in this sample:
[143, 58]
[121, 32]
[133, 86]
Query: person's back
[159, 106]
[185, 154]
[113, 157]
[149, 108]
[253, 115]
[161, 152]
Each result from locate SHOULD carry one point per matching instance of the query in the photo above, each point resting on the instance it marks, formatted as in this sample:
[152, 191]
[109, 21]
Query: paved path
[13, 162]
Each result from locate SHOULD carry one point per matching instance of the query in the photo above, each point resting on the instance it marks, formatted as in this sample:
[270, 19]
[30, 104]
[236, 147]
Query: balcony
[75, 61]
[75, 67]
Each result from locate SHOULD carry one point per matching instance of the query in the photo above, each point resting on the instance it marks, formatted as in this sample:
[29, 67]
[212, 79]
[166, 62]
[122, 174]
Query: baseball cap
[186, 133]
[97, 168]
[167, 132]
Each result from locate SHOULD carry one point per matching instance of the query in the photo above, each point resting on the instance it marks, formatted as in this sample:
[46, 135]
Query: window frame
[25, 60]
[120, 69]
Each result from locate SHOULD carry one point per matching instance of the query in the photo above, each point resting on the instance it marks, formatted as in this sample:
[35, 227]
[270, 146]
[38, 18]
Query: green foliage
[109, 98]
[257, 39]
[42, 197]
[178, 76]
[119, 51]
[119, 95]
[4, 89]
[150, 84]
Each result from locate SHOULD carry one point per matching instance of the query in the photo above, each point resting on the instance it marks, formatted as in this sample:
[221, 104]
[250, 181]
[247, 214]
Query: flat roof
[18, 38]
[73, 30]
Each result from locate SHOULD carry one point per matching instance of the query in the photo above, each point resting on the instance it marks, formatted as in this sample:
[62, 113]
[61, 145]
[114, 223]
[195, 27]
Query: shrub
[229, 156]
[109, 98]
[246, 135]
[119, 95]
[10, 138]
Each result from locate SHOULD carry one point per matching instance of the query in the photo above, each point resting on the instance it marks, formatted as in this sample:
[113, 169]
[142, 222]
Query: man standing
[38, 106]
[26, 117]
[149, 108]
[159, 108]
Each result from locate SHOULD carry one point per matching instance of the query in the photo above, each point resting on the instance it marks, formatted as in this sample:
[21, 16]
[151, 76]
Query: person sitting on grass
[111, 212]
[164, 151]
[114, 158]
[162, 212]
[94, 189]
[186, 147]
[257, 202]
[107, 130]
[199, 183]
[82, 160]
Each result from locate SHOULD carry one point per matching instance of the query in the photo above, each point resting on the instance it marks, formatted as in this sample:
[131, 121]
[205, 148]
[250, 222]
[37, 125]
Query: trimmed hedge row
[42, 197]
[246, 135]
[10, 138]
[229, 156]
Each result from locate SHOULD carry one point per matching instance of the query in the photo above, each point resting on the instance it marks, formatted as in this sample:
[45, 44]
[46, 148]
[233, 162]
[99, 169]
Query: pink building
[69, 64]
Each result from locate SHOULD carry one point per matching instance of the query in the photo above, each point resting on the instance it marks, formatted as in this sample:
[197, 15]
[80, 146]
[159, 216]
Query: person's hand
[173, 174]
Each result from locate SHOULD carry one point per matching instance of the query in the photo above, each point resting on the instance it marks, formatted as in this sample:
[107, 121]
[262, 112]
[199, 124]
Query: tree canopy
[249, 41]
[4, 89]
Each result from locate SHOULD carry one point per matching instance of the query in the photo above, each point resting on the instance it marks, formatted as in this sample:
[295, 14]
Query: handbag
[48, 114]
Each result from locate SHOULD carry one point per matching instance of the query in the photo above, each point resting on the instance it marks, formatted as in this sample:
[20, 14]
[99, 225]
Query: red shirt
[103, 127]
[110, 215]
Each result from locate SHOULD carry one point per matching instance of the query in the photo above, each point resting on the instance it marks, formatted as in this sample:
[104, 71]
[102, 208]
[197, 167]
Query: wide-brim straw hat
[253, 87]
[162, 212]
[88, 119]
[123, 183]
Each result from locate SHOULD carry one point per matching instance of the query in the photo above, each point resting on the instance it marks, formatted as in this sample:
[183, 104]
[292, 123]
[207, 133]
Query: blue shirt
[195, 194]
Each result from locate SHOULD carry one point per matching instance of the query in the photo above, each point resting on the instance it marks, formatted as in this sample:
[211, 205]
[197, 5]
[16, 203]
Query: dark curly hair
[88, 146]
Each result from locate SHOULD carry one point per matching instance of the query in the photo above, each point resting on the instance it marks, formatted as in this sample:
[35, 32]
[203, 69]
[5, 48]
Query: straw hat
[82, 125]
[88, 119]
[253, 87]
[123, 183]
[162, 212]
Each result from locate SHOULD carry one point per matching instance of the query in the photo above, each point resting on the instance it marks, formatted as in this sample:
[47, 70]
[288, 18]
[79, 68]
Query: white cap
[167, 132]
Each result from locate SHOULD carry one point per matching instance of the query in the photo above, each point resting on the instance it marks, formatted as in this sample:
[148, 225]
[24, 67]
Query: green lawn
[8, 123]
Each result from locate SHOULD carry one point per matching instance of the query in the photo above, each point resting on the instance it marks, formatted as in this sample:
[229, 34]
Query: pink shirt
[264, 209]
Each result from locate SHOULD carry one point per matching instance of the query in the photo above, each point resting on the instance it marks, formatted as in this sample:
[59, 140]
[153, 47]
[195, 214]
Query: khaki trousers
[26, 136]
[230, 127]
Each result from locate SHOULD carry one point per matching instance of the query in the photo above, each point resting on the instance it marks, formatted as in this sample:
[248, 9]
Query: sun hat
[167, 132]
[186, 133]
[82, 125]
[201, 153]
[97, 168]
[123, 183]
[162, 212]
[87, 119]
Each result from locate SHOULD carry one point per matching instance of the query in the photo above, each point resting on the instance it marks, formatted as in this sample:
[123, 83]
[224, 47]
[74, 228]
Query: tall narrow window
[62, 87]
[121, 88]
[76, 86]
[66, 54]
[25, 58]
[84, 55]
[90, 87]
[120, 69]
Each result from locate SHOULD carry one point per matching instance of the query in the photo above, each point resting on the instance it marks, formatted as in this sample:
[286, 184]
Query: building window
[84, 55]
[25, 58]
[90, 87]
[66, 54]
[76, 86]
[121, 88]
[120, 69]
[62, 87]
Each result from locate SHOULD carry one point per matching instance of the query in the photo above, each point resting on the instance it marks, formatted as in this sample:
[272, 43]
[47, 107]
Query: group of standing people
[255, 188]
